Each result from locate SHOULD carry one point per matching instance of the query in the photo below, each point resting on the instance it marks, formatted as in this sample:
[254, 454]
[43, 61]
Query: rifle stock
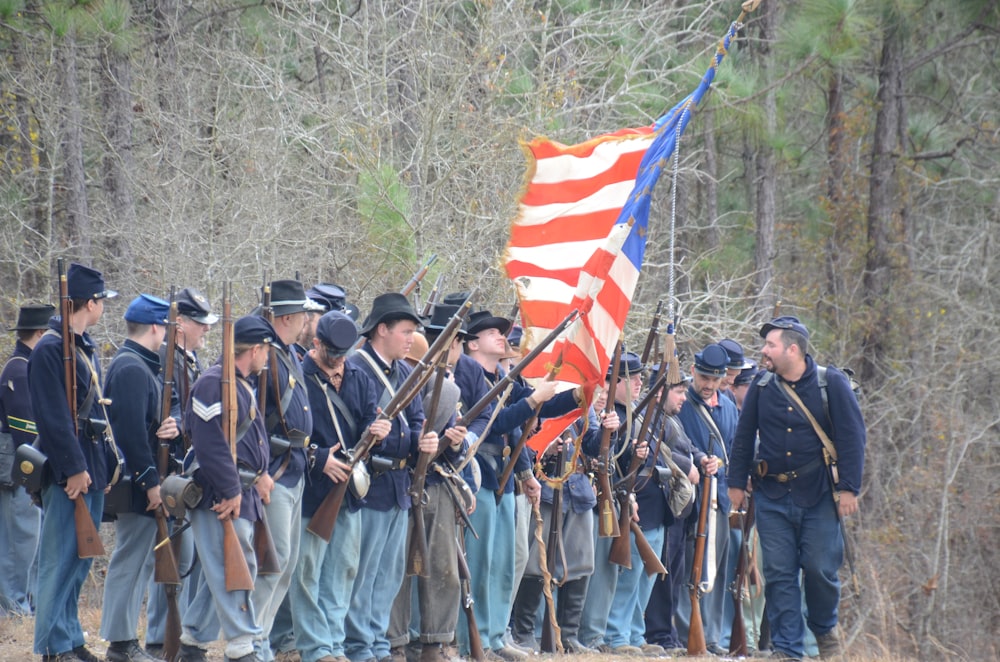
[88, 541]
[432, 298]
[267, 313]
[325, 517]
[608, 526]
[654, 328]
[738, 632]
[166, 570]
[268, 562]
[550, 642]
[696, 631]
[651, 562]
[416, 555]
[418, 276]
[238, 577]
[476, 651]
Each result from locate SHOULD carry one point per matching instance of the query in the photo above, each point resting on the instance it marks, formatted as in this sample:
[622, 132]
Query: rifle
[476, 651]
[696, 631]
[268, 562]
[502, 384]
[416, 555]
[738, 632]
[418, 276]
[325, 517]
[550, 642]
[166, 570]
[88, 542]
[607, 524]
[512, 315]
[267, 312]
[529, 427]
[432, 297]
[654, 328]
[238, 577]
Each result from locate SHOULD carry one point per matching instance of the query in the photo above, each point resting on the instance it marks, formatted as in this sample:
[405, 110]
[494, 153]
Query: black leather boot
[529, 595]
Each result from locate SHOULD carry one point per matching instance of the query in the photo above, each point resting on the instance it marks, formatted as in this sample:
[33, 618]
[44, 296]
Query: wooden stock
[325, 517]
[433, 297]
[738, 632]
[607, 522]
[654, 328]
[418, 276]
[696, 631]
[165, 571]
[550, 642]
[268, 562]
[476, 651]
[416, 554]
[651, 562]
[237, 571]
[88, 542]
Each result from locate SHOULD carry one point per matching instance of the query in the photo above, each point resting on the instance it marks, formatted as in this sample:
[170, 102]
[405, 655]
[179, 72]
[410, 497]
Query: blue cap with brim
[711, 361]
[785, 322]
[253, 330]
[86, 283]
[337, 332]
[147, 309]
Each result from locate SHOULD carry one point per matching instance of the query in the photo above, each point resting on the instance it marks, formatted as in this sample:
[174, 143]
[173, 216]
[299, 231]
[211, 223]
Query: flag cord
[673, 220]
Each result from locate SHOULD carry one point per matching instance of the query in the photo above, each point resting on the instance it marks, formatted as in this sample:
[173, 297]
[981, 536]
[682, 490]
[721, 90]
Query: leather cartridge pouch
[180, 494]
[31, 469]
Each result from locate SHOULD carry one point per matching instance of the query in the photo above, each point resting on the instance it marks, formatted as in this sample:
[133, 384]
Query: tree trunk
[765, 170]
[117, 163]
[76, 233]
[883, 216]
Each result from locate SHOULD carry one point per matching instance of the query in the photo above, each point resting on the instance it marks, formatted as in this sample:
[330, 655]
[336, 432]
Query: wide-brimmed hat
[337, 332]
[388, 308]
[192, 304]
[34, 316]
[289, 297]
[86, 283]
[441, 314]
[483, 319]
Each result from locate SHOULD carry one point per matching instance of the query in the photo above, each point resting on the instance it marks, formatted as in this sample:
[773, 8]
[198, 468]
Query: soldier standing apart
[709, 421]
[194, 320]
[389, 328]
[288, 419]
[79, 465]
[19, 519]
[343, 403]
[135, 391]
[226, 496]
[798, 508]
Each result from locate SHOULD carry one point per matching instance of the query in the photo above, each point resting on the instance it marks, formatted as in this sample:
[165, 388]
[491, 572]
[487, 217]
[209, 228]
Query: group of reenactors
[343, 488]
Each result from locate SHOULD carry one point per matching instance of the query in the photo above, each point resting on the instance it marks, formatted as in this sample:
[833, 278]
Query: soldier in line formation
[326, 393]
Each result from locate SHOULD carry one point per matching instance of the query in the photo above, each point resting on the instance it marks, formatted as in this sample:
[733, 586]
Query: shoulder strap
[333, 400]
[713, 429]
[390, 392]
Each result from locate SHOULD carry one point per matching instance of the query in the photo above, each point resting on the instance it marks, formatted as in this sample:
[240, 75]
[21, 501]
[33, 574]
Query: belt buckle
[782, 478]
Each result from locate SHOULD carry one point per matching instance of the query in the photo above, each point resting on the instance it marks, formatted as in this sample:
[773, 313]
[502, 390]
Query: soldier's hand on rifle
[428, 443]
[611, 421]
[77, 484]
[736, 497]
[264, 486]
[456, 435]
[229, 508]
[153, 496]
[642, 449]
[555, 446]
[634, 505]
[168, 429]
[710, 464]
[336, 470]
[544, 390]
[380, 428]
[847, 504]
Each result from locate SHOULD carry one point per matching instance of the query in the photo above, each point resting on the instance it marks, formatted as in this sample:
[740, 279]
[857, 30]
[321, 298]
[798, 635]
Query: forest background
[846, 163]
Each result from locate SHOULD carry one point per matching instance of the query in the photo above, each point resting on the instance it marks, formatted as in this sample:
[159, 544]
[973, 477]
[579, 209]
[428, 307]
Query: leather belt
[788, 476]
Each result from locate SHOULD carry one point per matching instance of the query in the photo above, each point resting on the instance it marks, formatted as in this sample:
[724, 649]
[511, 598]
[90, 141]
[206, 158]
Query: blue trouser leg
[235, 609]
[61, 572]
[600, 590]
[654, 537]
[321, 588]
[284, 515]
[625, 600]
[131, 565]
[20, 522]
[794, 538]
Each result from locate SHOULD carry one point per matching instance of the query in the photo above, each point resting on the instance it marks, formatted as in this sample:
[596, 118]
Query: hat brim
[209, 318]
[388, 316]
[291, 309]
[502, 324]
[710, 372]
[106, 294]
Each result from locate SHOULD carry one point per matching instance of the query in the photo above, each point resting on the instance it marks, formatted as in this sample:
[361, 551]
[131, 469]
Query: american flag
[579, 239]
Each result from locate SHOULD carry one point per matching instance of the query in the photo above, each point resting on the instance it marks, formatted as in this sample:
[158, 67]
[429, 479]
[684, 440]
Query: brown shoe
[627, 650]
[510, 654]
[829, 644]
[288, 656]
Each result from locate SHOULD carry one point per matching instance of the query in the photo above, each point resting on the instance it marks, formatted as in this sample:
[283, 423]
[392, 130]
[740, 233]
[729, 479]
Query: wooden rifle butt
[416, 553]
[651, 562]
[88, 541]
[325, 517]
[237, 571]
[172, 630]
[476, 651]
[165, 570]
[268, 562]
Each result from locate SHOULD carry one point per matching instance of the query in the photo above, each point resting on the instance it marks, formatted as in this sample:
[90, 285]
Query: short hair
[136, 329]
[244, 347]
[79, 304]
[24, 335]
[791, 337]
[389, 324]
